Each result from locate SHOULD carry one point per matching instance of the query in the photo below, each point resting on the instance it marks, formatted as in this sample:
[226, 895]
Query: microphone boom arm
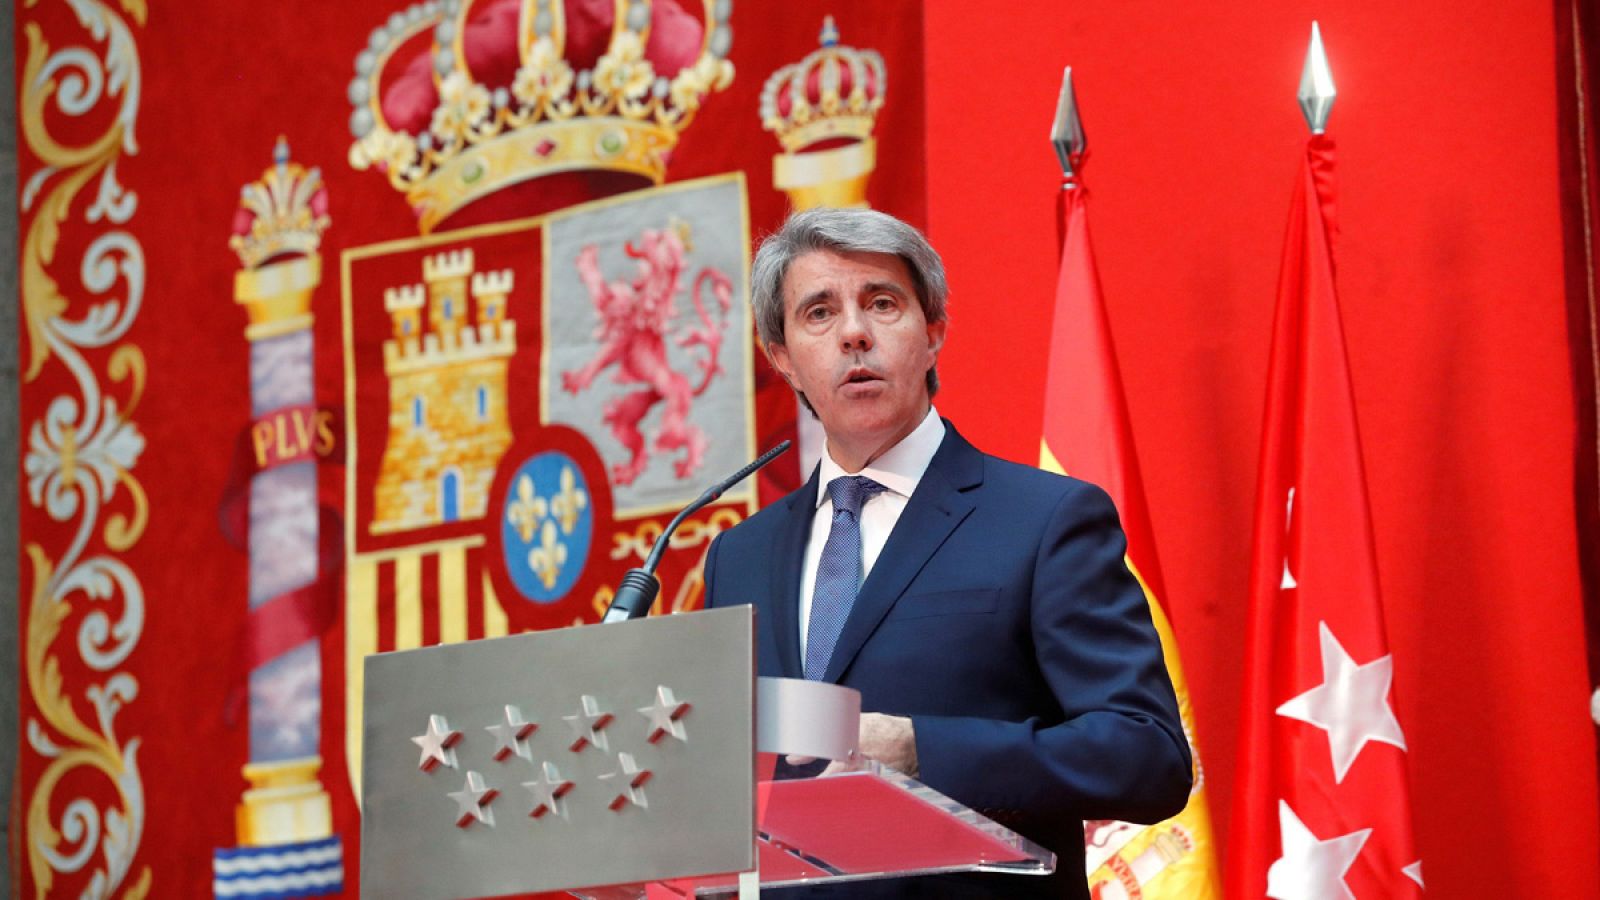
[639, 586]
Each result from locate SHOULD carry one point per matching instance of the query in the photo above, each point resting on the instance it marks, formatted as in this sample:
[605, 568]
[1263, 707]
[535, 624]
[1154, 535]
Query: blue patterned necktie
[838, 571]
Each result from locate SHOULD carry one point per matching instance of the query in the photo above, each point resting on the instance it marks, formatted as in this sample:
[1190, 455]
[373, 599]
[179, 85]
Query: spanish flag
[1087, 435]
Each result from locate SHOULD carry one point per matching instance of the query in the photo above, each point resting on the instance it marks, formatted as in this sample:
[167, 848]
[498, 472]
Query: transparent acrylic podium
[637, 759]
[874, 822]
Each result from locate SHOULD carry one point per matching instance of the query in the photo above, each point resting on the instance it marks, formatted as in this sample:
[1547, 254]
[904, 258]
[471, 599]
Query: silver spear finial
[1066, 135]
[1316, 92]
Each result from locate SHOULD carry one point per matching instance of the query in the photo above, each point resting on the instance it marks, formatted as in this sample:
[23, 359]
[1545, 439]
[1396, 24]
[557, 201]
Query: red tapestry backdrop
[247, 462]
[362, 327]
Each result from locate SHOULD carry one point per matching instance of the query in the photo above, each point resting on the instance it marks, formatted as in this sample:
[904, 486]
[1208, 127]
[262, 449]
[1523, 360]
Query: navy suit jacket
[1001, 617]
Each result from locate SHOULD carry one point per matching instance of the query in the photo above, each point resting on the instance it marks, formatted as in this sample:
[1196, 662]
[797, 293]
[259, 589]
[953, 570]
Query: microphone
[639, 586]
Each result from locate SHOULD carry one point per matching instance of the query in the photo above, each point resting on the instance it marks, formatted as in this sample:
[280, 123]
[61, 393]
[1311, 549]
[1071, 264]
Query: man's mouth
[861, 376]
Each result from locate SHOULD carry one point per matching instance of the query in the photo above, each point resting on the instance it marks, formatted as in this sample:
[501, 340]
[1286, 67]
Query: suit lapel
[937, 506]
[788, 557]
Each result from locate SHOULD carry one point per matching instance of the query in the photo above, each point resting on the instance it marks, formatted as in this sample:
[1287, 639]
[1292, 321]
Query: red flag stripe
[475, 576]
[430, 599]
[385, 604]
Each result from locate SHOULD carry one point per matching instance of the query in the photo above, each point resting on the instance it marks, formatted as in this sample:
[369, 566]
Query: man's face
[857, 345]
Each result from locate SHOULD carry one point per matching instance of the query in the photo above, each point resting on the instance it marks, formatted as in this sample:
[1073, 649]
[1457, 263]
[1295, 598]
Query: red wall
[1452, 287]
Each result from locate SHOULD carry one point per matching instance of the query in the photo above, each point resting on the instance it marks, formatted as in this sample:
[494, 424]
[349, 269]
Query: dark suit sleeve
[1118, 751]
[709, 570]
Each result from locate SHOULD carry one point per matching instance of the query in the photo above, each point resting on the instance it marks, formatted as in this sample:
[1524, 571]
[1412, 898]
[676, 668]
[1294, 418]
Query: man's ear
[936, 332]
[778, 355]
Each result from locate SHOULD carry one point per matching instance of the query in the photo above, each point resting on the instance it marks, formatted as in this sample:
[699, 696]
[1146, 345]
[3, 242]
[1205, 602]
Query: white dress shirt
[898, 470]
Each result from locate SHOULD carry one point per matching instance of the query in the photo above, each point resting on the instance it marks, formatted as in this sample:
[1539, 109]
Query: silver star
[588, 726]
[436, 743]
[1351, 704]
[472, 801]
[1310, 869]
[629, 780]
[510, 734]
[547, 790]
[1414, 872]
[664, 715]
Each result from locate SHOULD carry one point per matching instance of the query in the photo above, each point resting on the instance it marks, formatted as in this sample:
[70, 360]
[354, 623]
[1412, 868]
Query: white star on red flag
[1414, 872]
[1351, 704]
[1310, 869]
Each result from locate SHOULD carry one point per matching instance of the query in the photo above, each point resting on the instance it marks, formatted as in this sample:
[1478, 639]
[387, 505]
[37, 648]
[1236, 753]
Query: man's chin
[867, 430]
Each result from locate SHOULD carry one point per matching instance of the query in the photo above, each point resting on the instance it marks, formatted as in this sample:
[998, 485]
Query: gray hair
[843, 231]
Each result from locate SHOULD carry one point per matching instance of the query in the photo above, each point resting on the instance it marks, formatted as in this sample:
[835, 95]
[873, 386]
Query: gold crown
[835, 92]
[285, 212]
[618, 115]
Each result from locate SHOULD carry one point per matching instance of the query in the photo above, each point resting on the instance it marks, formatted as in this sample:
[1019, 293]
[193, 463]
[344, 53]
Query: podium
[637, 759]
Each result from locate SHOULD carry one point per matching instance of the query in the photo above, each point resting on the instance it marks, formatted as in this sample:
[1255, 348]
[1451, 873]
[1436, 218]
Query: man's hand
[889, 740]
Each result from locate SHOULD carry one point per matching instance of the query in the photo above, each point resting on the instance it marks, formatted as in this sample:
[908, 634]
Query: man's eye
[817, 313]
[883, 302]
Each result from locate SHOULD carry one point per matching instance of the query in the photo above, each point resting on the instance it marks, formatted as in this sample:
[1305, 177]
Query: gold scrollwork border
[690, 534]
[81, 452]
[694, 533]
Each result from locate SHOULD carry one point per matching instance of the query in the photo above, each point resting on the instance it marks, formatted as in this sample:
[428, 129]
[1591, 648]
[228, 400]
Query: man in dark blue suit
[1004, 654]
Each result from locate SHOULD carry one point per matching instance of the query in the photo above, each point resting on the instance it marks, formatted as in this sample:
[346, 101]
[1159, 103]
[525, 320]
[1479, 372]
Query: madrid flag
[1322, 808]
[1086, 434]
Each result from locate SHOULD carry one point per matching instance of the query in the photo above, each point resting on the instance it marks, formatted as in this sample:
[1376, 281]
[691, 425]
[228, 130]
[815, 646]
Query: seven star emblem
[1310, 869]
[1351, 704]
[549, 787]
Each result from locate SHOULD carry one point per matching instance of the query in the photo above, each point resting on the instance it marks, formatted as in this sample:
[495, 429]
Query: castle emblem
[635, 322]
[446, 364]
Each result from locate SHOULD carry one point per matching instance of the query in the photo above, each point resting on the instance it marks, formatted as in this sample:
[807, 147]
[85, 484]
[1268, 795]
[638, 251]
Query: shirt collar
[900, 467]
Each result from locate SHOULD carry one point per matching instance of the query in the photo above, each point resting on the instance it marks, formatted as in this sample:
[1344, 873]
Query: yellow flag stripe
[408, 601]
[1048, 461]
[361, 640]
[453, 594]
[495, 622]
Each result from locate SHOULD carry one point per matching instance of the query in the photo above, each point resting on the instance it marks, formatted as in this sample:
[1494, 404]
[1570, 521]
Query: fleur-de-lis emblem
[526, 511]
[549, 556]
[569, 501]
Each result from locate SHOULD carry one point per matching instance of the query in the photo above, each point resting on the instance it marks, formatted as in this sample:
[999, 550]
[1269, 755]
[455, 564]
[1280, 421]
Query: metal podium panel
[595, 755]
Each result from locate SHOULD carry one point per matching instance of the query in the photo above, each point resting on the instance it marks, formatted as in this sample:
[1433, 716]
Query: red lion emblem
[635, 319]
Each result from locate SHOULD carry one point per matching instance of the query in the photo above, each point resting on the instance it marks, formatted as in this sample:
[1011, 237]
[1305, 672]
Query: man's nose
[855, 333]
